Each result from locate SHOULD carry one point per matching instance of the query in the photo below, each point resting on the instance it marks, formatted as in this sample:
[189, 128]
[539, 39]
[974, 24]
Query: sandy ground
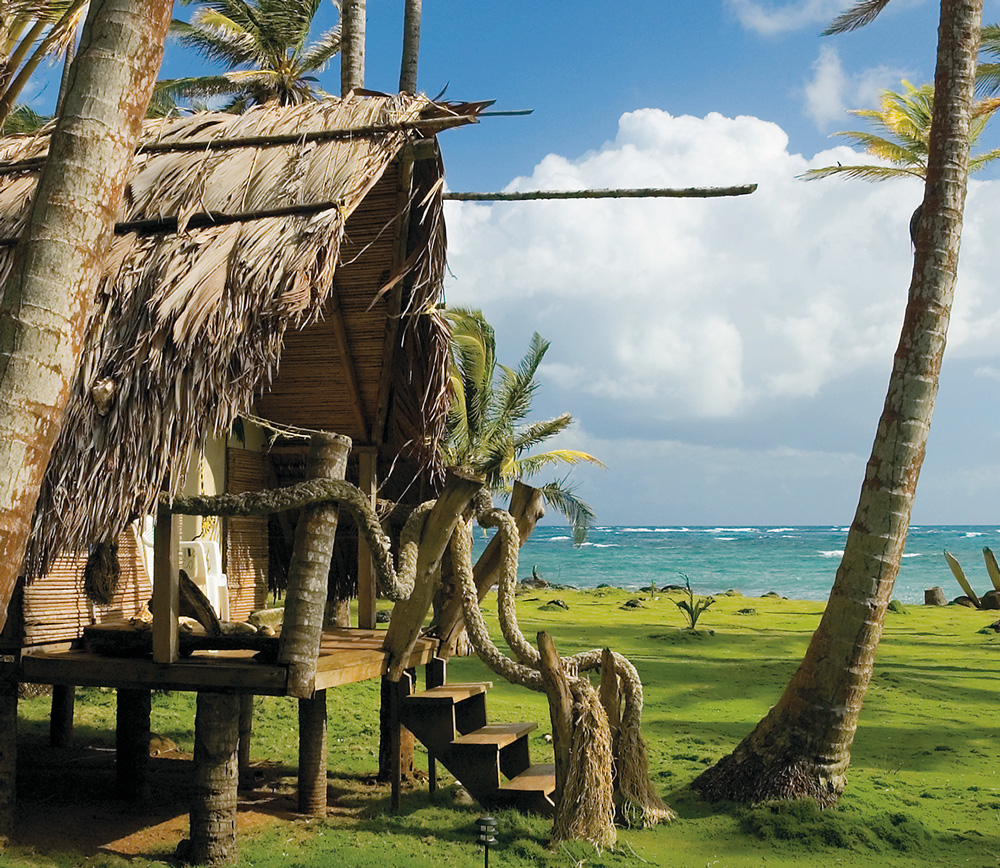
[67, 802]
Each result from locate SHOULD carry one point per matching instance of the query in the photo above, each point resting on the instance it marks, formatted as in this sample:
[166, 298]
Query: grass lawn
[922, 790]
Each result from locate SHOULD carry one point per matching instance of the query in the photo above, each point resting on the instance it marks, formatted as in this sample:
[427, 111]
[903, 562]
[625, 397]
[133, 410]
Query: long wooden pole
[612, 193]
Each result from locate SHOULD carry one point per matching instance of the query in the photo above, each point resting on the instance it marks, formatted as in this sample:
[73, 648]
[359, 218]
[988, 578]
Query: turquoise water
[797, 562]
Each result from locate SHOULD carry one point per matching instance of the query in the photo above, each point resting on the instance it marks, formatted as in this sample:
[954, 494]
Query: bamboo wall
[246, 550]
[55, 609]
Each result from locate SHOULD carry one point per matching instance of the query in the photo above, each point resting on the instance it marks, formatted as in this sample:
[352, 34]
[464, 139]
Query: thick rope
[395, 583]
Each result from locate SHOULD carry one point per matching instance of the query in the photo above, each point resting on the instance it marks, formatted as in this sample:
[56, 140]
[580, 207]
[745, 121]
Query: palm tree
[264, 46]
[802, 748]
[30, 31]
[902, 127]
[989, 70]
[485, 430]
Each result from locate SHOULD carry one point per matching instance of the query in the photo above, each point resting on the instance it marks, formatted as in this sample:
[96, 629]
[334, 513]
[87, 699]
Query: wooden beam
[527, 507]
[166, 586]
[350, 371]
[367, 482]
[637, 193]
[408, 615]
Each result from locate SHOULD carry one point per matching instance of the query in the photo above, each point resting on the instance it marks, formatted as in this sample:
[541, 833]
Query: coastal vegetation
[923, 783]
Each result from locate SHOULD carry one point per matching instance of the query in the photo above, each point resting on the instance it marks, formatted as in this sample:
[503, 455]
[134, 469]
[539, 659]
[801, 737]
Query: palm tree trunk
[411, 47]
[312, 755]
[802, 747]
[50, 290]
[216, 772]
[132, 743]
[352, 45]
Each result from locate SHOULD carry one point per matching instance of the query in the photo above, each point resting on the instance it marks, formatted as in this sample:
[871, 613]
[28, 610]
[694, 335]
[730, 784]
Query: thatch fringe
[188, 327]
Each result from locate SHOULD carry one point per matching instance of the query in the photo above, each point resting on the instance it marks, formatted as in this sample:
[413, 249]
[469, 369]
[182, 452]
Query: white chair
[200, 559]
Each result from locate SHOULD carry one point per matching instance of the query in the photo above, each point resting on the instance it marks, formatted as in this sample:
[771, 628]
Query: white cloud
[694, 309]
[772, 18]
[832, 92]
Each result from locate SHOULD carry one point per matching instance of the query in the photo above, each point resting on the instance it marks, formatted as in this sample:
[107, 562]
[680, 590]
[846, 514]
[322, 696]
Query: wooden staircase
[490, 760]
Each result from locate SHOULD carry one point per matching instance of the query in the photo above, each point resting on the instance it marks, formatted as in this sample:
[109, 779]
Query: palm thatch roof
[233, 234]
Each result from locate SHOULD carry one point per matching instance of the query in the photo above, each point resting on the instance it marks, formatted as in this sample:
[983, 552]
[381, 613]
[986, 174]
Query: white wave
[558, 538]
[600, 545]
[732, 530]
[724, 538]
[912, 554]
[836, 553]
[654, 530]
[779, 529]
[972, 533]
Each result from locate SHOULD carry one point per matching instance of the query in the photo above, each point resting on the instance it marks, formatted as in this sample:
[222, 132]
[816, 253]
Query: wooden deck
[346, 655]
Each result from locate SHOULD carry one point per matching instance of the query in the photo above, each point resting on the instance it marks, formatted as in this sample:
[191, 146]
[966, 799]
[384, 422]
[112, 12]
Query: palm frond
[863, 173]
[527, 436]
[579, 513]
[857, 16]
[979, 160]
[532, 464]
[518, 386]
[317, 55]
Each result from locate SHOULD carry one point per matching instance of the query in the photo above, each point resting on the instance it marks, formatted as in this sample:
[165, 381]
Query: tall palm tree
[802, 748]
[989, 68]
[30, 32]
[486, 423]
[265, 47]
[902, 129]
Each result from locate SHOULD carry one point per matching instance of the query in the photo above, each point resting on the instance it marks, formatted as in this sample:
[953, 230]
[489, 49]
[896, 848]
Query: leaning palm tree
[486, 423]
[264, 46]
[901, 136]
[802, 747]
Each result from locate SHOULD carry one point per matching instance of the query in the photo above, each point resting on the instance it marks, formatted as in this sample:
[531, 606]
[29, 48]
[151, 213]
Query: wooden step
[497, 734]
[448, 694]
[530, 791]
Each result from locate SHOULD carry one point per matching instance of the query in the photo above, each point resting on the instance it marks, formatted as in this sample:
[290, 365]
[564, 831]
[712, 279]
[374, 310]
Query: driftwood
[408, 615]
[560, 710]
[959, 574]
[636, 193]
[194, 604]
[124, 640]
[527, 507]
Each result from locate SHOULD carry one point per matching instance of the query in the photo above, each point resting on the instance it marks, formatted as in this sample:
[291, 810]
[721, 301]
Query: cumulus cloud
[832, 91]
[772, 18]
[674, 316]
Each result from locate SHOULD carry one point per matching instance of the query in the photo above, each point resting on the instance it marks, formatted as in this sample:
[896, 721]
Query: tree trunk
[245, 736]
[312, 755]
[213, 800]
[8, 750]
[352, 45]
[802, 747]
[560, 711]
[308, 574]
[132, 743]
[50, 288]
[411, 47]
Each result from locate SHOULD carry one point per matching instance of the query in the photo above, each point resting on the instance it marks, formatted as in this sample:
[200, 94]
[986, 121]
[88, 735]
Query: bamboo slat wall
[246, 549]
[55, 609]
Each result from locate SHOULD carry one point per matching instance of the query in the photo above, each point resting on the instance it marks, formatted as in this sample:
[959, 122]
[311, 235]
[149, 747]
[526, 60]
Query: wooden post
[408, 615]
[132, 743]
[8, 749]
[166, 587]
[527, 507]
[308, 574]
[367, 482]
[216, 770]
[312, 755]
[435, 675]
[395, 692]
[61, 716]
[560, 710]
[245, 735]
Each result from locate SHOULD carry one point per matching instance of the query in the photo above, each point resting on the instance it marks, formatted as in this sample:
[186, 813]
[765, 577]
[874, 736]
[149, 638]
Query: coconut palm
[264, 46]
[30, 32]
[486, 423]
[988, 73]
[901, 136]
[802, 747]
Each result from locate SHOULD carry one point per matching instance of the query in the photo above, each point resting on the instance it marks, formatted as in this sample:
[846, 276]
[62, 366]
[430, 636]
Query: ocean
[796, 562]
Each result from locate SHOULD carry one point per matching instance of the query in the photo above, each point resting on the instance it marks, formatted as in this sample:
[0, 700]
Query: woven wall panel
[55, 609]
[245, 559]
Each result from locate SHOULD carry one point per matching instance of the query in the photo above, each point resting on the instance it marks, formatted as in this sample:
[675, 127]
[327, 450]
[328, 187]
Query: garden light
[486, 827]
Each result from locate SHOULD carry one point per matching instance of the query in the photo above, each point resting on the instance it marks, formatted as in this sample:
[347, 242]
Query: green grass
[922, 790]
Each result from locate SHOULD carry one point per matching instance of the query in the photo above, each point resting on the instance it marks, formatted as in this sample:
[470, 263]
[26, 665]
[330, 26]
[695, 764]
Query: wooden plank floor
[346, 655]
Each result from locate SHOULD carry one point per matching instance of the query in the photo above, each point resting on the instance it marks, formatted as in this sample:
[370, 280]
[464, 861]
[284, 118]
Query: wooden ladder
[491, 760]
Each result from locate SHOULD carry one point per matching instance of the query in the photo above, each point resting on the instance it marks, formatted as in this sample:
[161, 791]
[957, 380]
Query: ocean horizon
[798, 562]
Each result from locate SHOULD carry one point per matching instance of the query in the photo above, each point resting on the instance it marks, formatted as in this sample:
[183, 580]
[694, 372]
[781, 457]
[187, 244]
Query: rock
[732, 592]
[774, 594]
[897, 608]
[634, 603]
[270, 617]
[990, 600]
[746, 611]
[556, 604]
[238, 628]
[159, 744]
[963, 601]
[991, 628]
[460, 796]
[666, 589]
[935, 597]
[383, 616]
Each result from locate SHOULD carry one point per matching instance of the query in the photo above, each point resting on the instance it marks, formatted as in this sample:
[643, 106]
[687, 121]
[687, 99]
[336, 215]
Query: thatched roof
[201, 286]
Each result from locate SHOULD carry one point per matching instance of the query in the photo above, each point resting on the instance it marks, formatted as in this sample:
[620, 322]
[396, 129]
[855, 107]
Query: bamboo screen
[246, 537]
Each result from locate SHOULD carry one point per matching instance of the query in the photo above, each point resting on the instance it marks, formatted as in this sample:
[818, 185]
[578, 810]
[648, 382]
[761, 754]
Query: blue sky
[726, 359]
